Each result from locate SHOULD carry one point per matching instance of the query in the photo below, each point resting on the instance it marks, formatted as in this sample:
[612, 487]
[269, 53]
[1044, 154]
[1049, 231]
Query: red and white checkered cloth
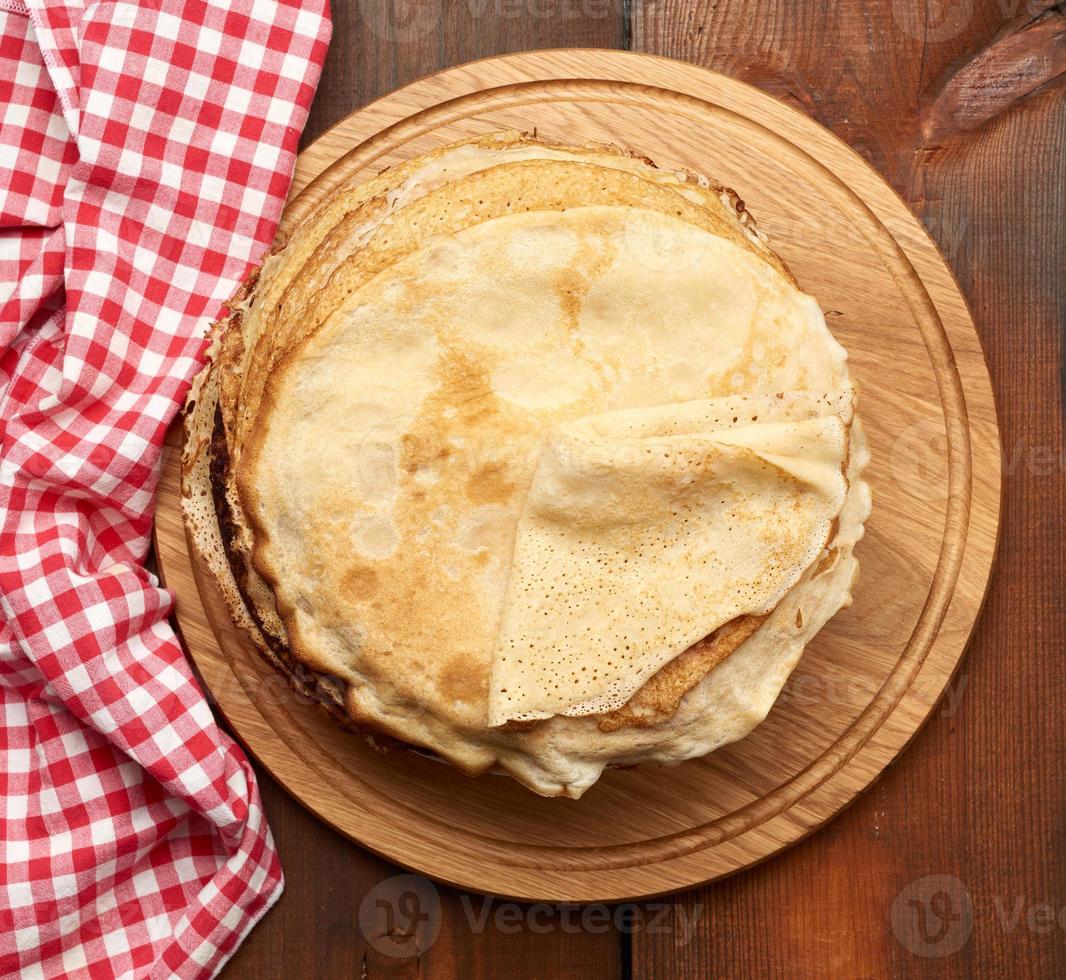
[146, 149]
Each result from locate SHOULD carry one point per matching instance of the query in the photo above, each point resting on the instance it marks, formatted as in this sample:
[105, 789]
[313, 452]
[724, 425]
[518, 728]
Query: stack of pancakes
[532, 456]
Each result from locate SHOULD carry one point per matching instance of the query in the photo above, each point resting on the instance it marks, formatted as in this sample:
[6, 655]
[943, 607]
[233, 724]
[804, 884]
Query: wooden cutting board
[872, 676]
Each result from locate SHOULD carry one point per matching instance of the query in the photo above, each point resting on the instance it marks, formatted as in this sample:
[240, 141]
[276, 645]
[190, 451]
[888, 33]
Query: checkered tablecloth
[145, 153]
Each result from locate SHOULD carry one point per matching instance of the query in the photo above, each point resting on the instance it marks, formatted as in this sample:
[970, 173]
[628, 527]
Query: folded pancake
[644, 531]
[414, 394]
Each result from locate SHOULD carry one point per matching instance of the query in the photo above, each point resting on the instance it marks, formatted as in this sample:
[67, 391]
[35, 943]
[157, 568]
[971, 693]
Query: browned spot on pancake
[572, 284]
[463, 402]
[661, 694]
[423, 450]
[464, 387]
[488, 484]
[570, 287]
[360, 582]
[463, 678]
[521, 726]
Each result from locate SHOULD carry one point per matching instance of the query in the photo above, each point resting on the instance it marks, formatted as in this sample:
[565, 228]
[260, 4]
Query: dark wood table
[954, 864]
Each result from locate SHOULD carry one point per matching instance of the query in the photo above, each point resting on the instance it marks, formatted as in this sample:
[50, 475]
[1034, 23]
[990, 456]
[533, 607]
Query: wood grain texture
[979, 794]
[379, 45]
[1023, 58]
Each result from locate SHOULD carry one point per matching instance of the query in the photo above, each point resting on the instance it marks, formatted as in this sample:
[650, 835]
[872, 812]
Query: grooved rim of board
[919, 345]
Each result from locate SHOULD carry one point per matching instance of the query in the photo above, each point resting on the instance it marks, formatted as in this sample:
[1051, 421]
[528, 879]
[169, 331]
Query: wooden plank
[379, 45]
[978, 795]
[325, 925]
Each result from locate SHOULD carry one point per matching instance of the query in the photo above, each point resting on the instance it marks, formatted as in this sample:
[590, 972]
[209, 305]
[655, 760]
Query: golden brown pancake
[386, 393]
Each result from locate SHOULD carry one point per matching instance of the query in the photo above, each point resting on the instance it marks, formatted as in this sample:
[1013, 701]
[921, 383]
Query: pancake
[645, 531]
[383, 411]
[341, 225]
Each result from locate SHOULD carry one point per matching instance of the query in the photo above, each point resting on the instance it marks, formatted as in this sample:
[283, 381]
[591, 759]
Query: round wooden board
[871, 677]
